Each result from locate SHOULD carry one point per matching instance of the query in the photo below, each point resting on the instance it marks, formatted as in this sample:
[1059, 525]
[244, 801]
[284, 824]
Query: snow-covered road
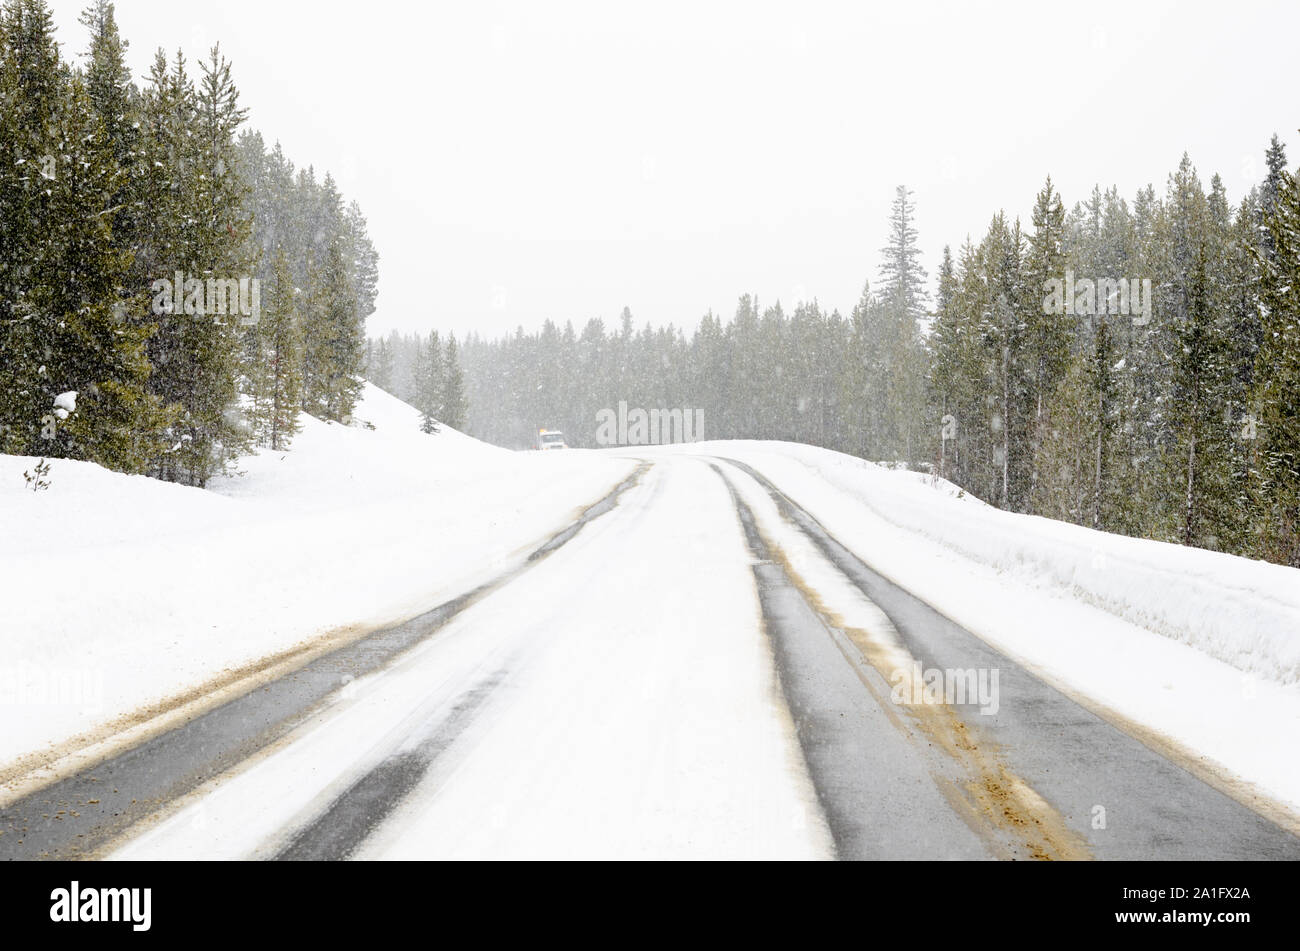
[727, 650]
[598, 705]
[700, 670]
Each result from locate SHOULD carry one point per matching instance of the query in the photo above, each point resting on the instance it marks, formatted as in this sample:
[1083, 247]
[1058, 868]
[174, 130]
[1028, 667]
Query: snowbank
[1243, 612]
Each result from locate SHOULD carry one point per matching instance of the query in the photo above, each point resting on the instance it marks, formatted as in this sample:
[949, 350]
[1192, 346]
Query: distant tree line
[140, 236]
[424, 372]
[1152, 390]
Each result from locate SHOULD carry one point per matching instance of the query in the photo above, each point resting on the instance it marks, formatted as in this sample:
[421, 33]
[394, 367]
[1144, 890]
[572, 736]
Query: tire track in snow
[343, 825]
[74, 816]
[338, 831]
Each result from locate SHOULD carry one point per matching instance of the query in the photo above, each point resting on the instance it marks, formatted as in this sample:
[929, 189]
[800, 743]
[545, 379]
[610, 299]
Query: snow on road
[1185, 647]
[633, 711]
[122, 592]
[624, 699]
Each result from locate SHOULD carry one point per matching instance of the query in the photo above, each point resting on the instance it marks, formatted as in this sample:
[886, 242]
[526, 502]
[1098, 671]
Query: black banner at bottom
[140, 901]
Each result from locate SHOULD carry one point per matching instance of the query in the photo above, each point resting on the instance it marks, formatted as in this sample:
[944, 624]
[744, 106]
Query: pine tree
[1067, 453]
[1277, 382]
[901, 352]
[334, 342]
[431, 384]
[381, 370]
[199, 228]
[943, 346]
[277, 376]
[1270, 192]
[64, 325]
[1196, 500]
[962, 372]
[1047, 332]
[994, 295]
[116, 101]
[858, 378]
[106, 191]
[365, 262]
[455, 403]
[902, 278]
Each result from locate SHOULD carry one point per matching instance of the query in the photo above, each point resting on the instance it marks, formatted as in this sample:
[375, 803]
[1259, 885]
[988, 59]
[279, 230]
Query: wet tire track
[876, 793]
[1072, 758]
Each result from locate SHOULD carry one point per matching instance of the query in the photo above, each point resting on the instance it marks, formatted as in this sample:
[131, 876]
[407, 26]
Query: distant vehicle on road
[551, 439]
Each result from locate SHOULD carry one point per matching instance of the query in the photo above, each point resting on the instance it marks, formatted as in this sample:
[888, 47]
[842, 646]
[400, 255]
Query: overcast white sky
[519, 161]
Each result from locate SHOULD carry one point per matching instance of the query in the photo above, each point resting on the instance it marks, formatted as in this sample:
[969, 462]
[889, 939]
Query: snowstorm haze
[442, 431]
[519, 162]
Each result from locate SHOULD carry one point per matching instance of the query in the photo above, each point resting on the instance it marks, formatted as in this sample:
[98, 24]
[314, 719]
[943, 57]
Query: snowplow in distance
[551, 439]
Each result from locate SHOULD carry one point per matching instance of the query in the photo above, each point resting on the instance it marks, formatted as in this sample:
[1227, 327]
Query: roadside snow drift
[1243, 612]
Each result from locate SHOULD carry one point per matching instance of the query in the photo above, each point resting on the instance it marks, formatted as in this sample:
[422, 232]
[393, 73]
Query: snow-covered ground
[122, 593]
[1194, 647]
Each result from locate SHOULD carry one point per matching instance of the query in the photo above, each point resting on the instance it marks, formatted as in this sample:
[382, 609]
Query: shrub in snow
[37, 477]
